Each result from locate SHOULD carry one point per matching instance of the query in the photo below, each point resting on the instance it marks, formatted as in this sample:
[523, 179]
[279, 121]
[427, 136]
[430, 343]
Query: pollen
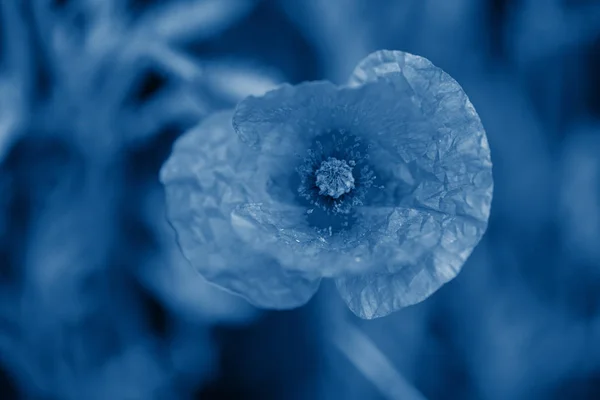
[334, 178]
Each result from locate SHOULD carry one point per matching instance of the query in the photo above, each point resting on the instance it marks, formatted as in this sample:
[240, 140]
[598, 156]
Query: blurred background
[96, 301]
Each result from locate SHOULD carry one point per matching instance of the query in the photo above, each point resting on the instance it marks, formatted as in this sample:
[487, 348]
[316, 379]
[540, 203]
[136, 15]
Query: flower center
[334, 178]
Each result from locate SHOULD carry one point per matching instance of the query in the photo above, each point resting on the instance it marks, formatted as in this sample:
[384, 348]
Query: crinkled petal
[281, 126]
[432, 165]
[442, 174]
[208, 174]
[384, 239]
[283, 232]
[284, 121]
[421, 251]
[445, 163]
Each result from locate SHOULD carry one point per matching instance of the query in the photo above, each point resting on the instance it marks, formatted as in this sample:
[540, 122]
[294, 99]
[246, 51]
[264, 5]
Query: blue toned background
[96, 301]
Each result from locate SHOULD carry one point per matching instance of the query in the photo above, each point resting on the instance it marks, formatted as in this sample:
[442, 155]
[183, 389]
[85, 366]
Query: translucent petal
[444, 162]
[382, 239]
[209, 173]
[420, 251]
[441, 184]
[283, 232]
[285, 120]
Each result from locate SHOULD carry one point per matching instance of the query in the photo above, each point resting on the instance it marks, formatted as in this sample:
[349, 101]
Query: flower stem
[360, 350]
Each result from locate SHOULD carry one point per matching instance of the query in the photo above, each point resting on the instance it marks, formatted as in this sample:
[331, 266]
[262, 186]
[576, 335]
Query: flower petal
[419, 251]
[284, 121]
[209, 173]
[439, 189]
[283, 232]
[446, 164]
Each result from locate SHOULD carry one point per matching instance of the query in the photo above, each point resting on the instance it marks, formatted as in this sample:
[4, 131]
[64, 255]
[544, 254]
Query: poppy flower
[383, 184]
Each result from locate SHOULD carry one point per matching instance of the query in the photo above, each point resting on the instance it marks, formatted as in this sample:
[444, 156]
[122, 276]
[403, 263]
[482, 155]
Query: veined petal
[446, 163]
[440, 185]
[384, 185]
[418, 250]
[284, 232]
[209, 173]
[284, 121]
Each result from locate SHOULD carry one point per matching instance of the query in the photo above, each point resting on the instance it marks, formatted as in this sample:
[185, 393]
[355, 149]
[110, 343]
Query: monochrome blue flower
[383, 184]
